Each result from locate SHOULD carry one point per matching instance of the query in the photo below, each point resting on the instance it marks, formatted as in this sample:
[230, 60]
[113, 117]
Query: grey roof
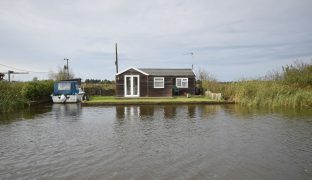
[168, 72]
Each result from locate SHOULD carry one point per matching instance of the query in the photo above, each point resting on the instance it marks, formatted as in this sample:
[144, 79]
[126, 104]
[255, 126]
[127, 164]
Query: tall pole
[116, 61]
[67, 68]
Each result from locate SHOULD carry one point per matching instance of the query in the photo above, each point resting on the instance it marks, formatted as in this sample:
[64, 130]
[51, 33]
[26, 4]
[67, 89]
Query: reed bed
[291, 87]
[16, 95]
[268, 94]
[10, 96]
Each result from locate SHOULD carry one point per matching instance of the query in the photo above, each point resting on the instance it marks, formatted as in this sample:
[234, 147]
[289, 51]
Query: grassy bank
[111, 100]
[268, 94]
[292, 88]
[18, 94]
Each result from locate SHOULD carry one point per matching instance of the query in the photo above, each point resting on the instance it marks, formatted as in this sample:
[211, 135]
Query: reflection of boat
[66, 110]
[67, 92]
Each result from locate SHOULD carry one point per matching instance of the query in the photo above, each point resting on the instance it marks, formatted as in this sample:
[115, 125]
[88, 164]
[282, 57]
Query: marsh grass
[16, 95]
[10, 96]
[268, 94]
[292, 87]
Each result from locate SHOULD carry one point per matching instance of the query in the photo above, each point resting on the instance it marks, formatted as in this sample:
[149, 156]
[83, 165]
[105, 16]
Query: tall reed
[292, 87]
[268, 93]
[14, 95]
[10, 96]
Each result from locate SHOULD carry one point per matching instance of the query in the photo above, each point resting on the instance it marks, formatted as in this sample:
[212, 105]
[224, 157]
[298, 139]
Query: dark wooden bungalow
[148, 82]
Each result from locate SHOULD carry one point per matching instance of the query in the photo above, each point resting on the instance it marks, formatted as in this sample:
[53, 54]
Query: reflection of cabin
[144, 82]
[1, 76]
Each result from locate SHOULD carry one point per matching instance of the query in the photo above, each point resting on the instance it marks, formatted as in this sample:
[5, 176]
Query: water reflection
[170, 112]
[245, 111]
[66, 110]
[203, 112]
[191, 111]
[166, 112]
[27, 113]
[157, 142]
[120, 112]
[59, 110]
[146, 110]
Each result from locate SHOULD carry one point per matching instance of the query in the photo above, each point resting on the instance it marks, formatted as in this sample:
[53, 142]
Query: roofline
[194, 72]
[169, 68]
[173, 69]
[64, 81]
[132, 68]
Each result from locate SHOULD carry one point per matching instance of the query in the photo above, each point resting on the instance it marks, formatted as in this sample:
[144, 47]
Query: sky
[229, 39]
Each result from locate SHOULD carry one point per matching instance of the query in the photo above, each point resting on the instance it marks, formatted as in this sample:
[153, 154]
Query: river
[156, 142]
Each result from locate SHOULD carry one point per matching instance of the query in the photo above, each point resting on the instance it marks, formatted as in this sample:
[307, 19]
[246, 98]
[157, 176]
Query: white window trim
[163, 82]
[136, 69]
[182, 80]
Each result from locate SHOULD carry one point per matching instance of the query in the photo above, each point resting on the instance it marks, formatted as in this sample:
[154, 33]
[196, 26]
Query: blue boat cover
[66, 87]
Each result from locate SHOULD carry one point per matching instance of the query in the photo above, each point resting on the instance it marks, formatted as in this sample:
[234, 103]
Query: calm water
[155, 142]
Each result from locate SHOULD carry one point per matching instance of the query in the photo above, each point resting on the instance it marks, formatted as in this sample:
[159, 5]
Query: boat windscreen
[62, 86]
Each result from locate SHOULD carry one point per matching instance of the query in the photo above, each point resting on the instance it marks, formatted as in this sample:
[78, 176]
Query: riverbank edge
[99, 103]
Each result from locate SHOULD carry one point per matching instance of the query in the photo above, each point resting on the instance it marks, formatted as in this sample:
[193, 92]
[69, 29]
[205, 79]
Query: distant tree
[61, 74]
[35, 78]
[98, 81]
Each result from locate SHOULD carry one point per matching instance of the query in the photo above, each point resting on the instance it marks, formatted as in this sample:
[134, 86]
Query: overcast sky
[230, 39]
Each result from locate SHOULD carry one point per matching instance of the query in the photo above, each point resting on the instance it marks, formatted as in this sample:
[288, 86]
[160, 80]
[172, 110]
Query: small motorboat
[68, 91]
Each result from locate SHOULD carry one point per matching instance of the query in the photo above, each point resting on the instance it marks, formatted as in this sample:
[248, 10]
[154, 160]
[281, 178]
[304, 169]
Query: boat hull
[67, 98]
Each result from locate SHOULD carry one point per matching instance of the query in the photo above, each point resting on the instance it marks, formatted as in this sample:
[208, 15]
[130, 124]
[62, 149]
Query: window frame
[182, 80]
[64, 86]
[163, 82]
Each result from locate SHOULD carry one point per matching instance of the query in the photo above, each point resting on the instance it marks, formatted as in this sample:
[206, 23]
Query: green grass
[102, 100]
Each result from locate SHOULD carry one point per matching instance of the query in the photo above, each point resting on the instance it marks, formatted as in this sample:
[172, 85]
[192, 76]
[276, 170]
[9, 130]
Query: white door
[132, 85]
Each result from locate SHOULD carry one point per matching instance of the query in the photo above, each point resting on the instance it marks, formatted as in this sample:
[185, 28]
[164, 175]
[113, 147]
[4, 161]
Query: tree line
[99, 81]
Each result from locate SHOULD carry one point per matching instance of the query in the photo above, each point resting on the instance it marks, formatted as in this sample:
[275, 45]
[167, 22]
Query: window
[159, 82]
[182, 82]
[64, 86]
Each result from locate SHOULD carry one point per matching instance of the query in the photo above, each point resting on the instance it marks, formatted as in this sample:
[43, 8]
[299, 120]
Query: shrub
[37, 90]
[15, 95]
[99, 89]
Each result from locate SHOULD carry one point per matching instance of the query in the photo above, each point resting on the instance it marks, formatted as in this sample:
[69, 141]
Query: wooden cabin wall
[170, 82]
[191, 86]
[120, 88]
[120, 92]
[143, 85]
[147, 85]
[160, 92]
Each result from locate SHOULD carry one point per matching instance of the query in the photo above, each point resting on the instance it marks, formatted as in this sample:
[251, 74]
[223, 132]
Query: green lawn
[108, 100]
